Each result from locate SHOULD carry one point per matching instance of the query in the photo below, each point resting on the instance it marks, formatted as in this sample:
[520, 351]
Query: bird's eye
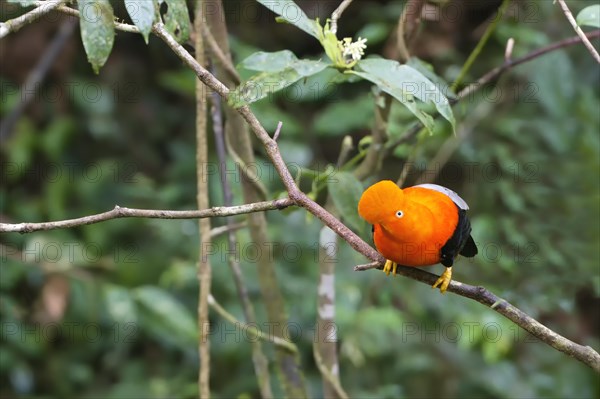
[399, 214]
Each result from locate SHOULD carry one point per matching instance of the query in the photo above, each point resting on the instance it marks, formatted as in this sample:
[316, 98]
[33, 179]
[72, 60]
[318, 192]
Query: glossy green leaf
[143, 14]
[97, 30]
[289, 12]
[177, 19]
[589, 16]
[345, 191]
[281, 69]
[406, 84]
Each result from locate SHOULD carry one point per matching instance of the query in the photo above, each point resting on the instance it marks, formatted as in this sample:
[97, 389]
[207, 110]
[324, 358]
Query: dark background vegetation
[108, 310]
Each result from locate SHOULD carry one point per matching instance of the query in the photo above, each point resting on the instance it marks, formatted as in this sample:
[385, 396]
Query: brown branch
[252, 329]
[337, 13]
[496, 72]
[491, 76]
[261, 363]
[217, 231]
[330, 377]
[325, 343]
[217, 52]
[13, 25]
[406, 26]
[578, 30]
[585, 354]
[119, 212]
[373, 160]
[287, 365]
[204, 266]
[28, 91]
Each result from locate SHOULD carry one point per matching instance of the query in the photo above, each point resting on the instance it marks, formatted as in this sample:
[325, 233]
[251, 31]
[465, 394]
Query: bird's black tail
[470, 249]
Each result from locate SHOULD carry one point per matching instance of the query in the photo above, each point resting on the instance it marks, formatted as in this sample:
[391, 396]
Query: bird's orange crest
[380, 201]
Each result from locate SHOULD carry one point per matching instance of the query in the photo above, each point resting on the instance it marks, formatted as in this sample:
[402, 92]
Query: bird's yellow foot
[390, 266]
[444, 280]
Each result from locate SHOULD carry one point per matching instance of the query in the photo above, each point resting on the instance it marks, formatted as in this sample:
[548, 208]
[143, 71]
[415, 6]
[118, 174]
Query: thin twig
[510, 45]
[406, 25]
[578, 30]
[71, 11]
[277, 131]
[452, 143]
[328, 375]
[477, 50]
[252, 329]
[286, 365]
[120, 212]
[367, 266]
[218, 53]
[373, 160]
[337, 13]
[33, 82]
[261, 363]
[489, 77]
[345, 149]
[13, 25]
[217, 231]
[496, 72]
[204, 266]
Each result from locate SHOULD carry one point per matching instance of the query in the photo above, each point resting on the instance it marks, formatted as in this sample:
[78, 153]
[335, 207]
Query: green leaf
[165, 316]
[177, 19]
[345, 191]
[270, 62]
[405, 84]
[345, 116]
[119, 304]
[142, 13]
[23, 3]
[97, 30]
[589, 16]
[282, 69]
[289, 12]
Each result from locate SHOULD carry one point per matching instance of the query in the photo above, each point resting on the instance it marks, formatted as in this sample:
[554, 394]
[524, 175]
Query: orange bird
[418, 226]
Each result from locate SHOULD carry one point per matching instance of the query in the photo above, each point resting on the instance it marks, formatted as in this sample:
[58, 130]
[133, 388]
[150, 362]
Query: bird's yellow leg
[390, 266]
[444, 280]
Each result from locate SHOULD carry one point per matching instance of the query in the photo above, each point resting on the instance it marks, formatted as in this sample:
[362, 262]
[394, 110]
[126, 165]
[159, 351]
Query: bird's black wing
[461, 241]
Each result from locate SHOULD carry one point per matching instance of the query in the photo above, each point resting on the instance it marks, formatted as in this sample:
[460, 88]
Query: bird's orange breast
[416, 239]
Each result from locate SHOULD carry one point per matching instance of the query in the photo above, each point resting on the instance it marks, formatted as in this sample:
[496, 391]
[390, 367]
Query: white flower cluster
[355, 50]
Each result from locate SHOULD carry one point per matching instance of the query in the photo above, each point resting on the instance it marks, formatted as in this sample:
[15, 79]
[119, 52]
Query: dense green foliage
[109, 310]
